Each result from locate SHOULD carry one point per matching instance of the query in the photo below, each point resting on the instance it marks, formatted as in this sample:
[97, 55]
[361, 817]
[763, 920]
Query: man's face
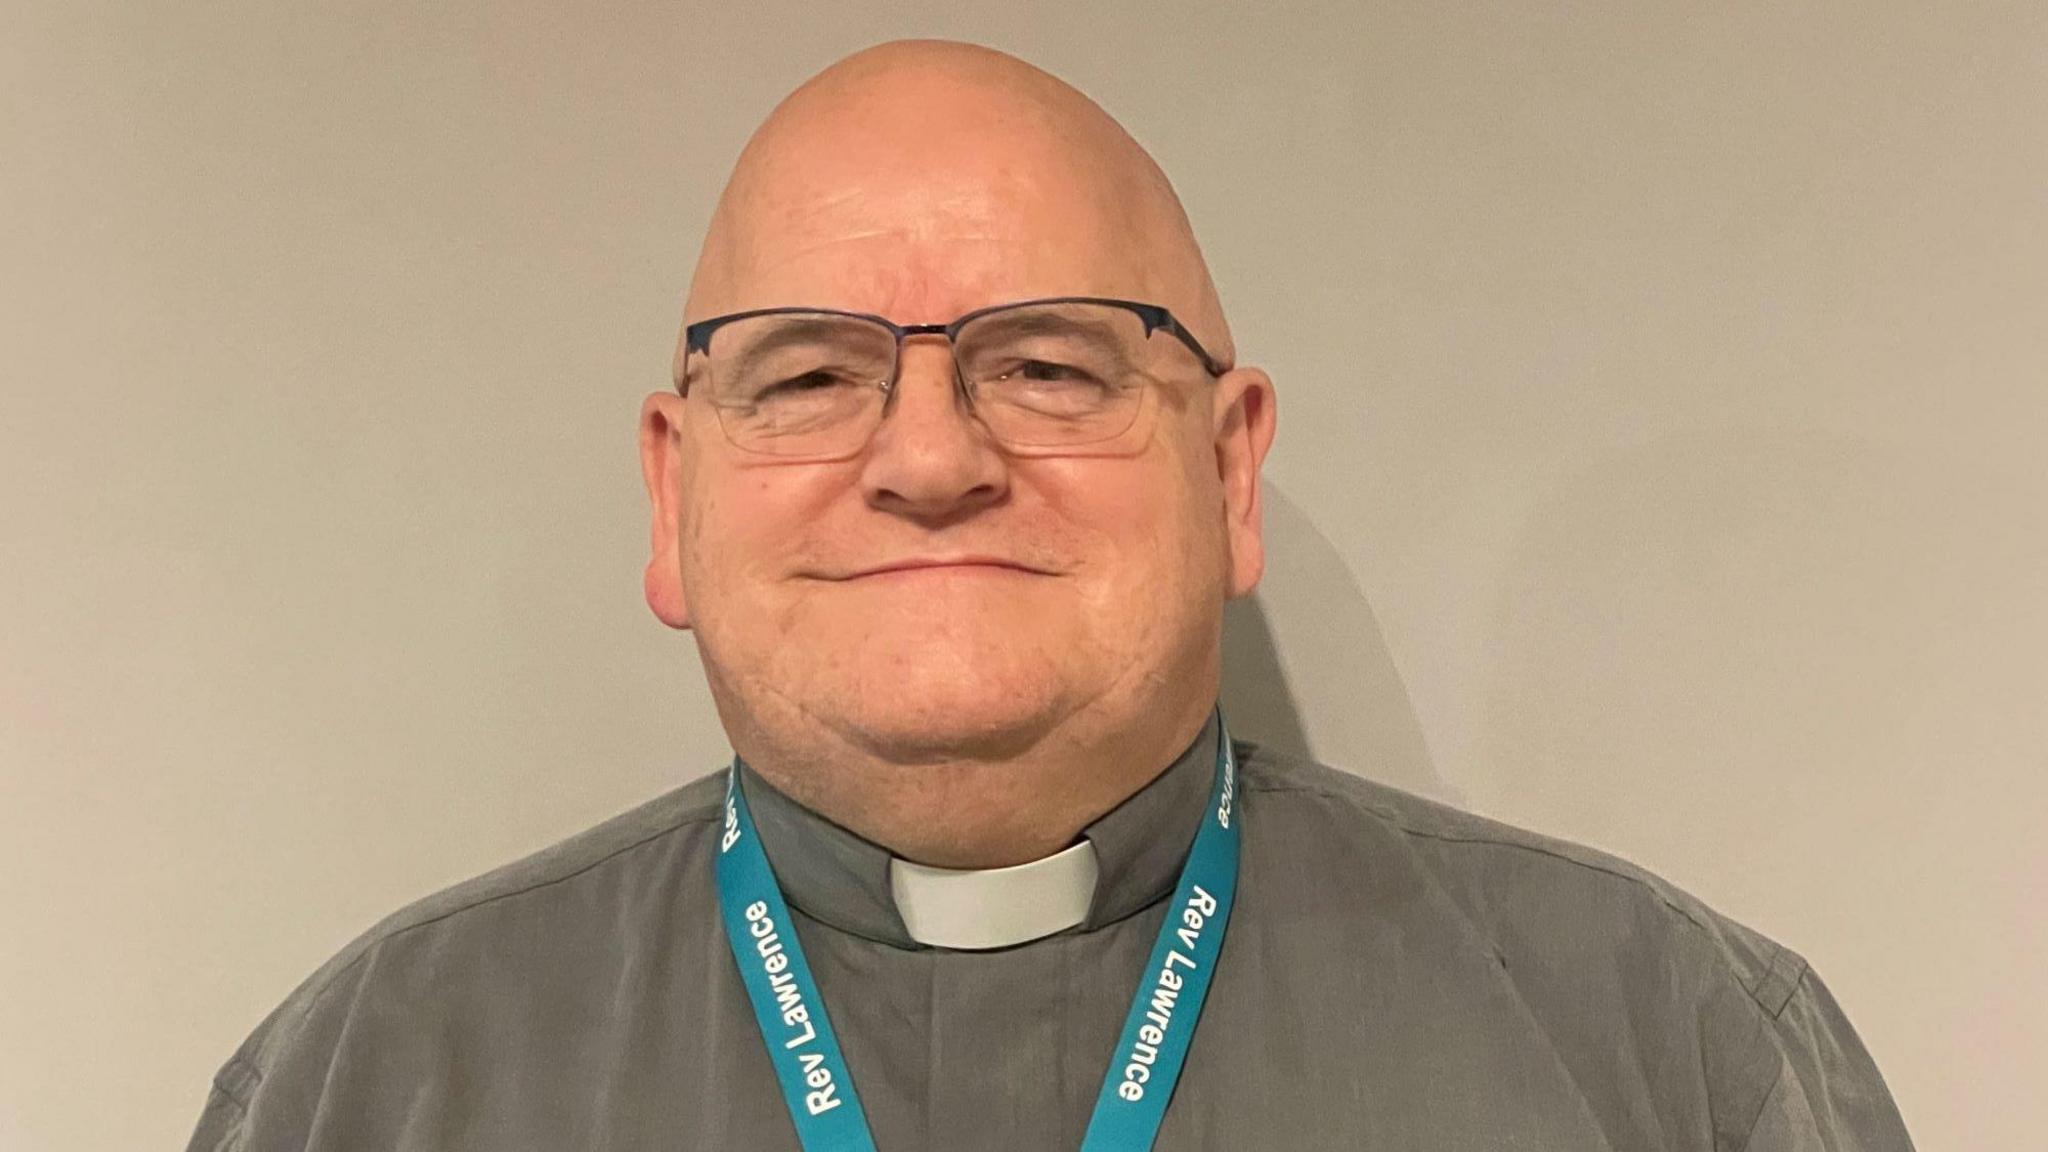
[935, 597]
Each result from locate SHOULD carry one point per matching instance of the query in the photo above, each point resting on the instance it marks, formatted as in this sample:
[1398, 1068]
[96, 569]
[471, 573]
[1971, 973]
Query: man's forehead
[922, 180]
[927, 242]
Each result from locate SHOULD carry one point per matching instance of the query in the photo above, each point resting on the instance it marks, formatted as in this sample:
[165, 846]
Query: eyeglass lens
[1039, 375]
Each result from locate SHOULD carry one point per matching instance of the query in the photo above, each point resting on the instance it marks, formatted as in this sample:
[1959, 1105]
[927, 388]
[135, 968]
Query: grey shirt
[1396, 975]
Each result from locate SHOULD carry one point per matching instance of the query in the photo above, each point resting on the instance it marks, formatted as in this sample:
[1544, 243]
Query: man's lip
[917, 563]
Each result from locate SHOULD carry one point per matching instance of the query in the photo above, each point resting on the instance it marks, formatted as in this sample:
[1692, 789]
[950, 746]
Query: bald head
[957, 648]
[923, 179]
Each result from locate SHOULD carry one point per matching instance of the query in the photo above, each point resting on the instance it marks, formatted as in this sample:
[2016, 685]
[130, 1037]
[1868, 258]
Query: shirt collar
[837, 877]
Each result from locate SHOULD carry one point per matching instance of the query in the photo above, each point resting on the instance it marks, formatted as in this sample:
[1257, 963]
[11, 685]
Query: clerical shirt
[1396, 975]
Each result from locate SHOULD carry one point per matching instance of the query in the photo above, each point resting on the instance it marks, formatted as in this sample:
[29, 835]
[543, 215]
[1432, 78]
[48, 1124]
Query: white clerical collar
[994, 907]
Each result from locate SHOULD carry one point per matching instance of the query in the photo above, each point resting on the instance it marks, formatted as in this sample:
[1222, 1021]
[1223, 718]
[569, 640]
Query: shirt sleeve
[1829, 1095]
[220, 1123]
[268, 1096]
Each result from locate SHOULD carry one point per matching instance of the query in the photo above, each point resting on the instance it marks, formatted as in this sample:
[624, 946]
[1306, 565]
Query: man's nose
[931, 459]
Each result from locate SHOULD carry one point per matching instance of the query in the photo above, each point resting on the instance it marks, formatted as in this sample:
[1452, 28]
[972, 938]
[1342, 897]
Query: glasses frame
[697, 337]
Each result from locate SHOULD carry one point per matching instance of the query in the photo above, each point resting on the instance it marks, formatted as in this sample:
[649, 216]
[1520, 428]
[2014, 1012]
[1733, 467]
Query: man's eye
[817, 381]
[1049, 372]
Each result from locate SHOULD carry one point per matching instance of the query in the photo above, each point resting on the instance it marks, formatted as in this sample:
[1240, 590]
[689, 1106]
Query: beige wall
[1663, 403]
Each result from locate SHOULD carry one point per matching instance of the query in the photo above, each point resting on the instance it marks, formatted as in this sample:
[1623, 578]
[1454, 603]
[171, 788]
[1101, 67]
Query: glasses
[1060, 373]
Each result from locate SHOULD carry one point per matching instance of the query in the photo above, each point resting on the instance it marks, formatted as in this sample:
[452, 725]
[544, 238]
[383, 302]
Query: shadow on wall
[1335, 695]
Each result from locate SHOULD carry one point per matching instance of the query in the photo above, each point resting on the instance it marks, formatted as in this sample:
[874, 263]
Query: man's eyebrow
[1033, 323]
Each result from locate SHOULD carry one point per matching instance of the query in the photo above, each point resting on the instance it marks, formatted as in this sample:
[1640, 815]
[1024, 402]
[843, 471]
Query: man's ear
[661, 466]
[1244, 422]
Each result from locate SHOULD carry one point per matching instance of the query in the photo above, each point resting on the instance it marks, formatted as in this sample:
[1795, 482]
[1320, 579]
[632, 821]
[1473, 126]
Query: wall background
[1662, 406]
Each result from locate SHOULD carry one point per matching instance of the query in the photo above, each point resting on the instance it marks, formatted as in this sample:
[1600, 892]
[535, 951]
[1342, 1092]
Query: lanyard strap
[818, 1088]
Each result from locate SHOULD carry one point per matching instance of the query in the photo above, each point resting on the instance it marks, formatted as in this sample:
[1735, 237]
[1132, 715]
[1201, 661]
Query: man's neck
[1135, 850]
[981, 814]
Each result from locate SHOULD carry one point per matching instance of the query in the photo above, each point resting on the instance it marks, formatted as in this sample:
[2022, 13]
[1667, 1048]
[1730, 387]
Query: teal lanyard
[815, 1082]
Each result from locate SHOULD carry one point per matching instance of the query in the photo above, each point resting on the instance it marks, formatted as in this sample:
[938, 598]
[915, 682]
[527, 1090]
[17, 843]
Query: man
[959, 473]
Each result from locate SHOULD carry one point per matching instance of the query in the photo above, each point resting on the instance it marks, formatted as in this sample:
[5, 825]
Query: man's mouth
[967, 563]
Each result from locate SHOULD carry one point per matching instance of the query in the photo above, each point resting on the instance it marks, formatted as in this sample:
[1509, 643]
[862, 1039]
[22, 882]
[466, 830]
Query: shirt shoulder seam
[1455, 838]
[1777, 1058]
[236, 1079]
[1771, 990]
[395, 926]
[384, 933]
[549, 881]
[1781, 981]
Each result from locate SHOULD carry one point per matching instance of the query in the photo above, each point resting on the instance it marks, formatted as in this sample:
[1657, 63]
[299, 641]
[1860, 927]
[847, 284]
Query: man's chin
[948, 727]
